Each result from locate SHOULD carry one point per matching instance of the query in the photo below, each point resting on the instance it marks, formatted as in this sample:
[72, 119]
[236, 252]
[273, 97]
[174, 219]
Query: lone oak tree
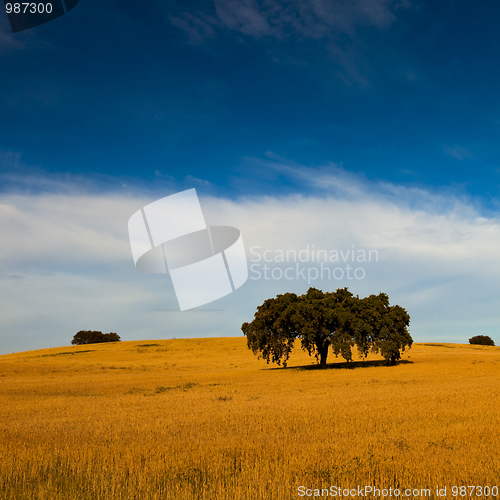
[322, 320]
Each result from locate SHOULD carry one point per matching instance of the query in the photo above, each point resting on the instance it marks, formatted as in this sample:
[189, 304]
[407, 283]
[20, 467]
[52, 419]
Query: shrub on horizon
[84, 337]
[481, 340]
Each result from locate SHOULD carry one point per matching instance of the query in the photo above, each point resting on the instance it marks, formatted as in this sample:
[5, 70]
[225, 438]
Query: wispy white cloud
[198, 28]
[9, 41]
[457, 152]
[247, 16]
[66, 263]
[279, 19]
[10, 160]
[196, 181]
[331, 179]
[17, 177]
[307, 18]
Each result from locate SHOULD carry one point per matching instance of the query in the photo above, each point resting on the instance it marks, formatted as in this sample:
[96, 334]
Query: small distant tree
[481, 340]
[94, 337]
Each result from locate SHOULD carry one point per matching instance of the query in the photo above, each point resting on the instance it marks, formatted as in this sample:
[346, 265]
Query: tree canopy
[94, 337]
[481, 340]
[337, 320]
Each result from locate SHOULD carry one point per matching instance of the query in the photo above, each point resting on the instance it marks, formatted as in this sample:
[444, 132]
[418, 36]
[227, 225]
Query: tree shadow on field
[345, 365]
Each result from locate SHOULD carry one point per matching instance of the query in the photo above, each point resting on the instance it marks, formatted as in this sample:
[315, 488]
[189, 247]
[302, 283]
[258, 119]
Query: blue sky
[391, 103]
[403, 91]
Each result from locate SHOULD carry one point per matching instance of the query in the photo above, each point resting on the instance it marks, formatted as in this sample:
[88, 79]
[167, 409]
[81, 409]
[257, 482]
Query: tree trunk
[323, 354]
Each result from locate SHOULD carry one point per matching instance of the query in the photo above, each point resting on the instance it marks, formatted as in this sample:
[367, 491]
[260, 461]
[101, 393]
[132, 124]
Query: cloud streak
[273, 18]
[335, 21]
[457, 152]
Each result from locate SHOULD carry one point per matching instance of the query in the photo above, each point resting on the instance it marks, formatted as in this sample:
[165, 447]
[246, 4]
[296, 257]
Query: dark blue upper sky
[404, 91]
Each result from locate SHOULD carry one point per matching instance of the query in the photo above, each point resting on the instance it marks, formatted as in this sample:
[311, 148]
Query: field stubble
[204, 419]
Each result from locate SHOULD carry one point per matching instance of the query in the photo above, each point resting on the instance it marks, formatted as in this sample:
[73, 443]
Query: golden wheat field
[205, 419]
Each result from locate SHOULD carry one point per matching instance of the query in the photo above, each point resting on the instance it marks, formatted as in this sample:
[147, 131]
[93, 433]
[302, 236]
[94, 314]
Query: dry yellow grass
[204, 419]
